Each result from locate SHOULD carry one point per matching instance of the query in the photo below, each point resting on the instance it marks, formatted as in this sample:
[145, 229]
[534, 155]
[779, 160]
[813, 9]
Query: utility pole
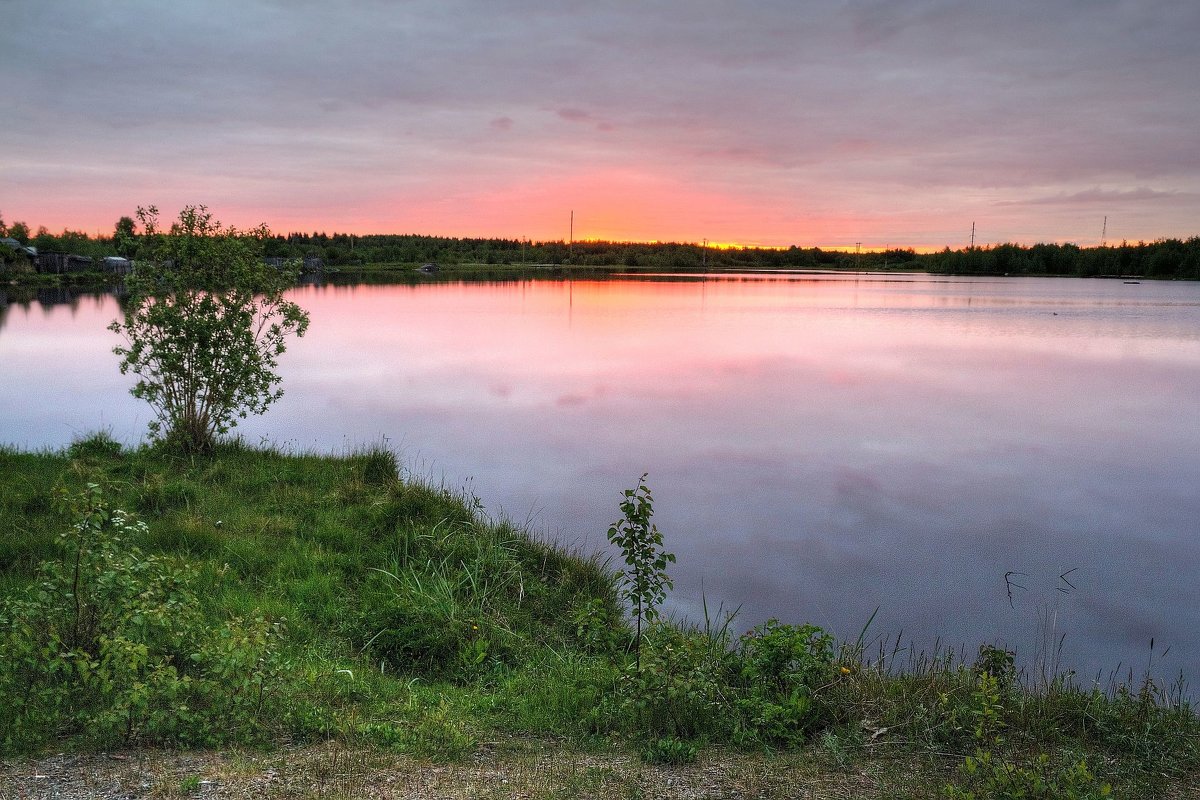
[972, 234]
[1104, 231]
[857, 253]
[571, 239]
[704, 256]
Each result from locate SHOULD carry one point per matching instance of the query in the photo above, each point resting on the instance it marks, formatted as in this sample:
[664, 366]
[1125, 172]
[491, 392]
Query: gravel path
[521, 770]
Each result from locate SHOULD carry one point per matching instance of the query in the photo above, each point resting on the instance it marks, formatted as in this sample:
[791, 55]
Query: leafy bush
[112, 642]
[999, 663]
[681, 689]
[784, 668]
[205, 323]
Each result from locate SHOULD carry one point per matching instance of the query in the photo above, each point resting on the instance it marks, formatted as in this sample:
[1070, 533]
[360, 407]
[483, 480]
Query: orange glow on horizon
[618, 207]
[612, 226]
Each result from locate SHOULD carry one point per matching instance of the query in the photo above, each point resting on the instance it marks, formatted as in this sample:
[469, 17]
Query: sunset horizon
[316, 227]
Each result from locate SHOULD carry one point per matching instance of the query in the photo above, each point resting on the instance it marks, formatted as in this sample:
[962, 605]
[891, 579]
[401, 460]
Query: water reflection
[818, 445]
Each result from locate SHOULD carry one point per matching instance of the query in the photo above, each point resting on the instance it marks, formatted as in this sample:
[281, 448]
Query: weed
[842, 746]
[669, 750]
[377, 465]
[596, 627]
[436, 734]
[987, 774]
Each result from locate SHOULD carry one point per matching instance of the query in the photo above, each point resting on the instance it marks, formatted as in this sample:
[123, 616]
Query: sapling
[645, 582]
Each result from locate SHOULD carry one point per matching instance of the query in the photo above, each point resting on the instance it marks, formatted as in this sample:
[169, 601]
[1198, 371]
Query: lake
[819, 445]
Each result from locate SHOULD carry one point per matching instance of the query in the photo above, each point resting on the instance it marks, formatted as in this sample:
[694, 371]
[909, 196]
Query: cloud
[574, 115]
[1105, 196]
[891, 113]
[585, 117]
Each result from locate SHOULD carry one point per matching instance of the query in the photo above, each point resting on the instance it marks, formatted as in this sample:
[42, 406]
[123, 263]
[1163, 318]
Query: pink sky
[803, 123]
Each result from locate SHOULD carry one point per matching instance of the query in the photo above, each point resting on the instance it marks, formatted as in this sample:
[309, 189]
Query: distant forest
[1165, 258]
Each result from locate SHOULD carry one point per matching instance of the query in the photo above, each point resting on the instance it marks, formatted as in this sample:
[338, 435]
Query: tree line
[1164, 258]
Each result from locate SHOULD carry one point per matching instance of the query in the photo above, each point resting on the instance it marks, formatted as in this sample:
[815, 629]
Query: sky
[887, 122]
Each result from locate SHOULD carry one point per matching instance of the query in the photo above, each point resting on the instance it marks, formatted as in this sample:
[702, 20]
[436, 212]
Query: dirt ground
[525, 769]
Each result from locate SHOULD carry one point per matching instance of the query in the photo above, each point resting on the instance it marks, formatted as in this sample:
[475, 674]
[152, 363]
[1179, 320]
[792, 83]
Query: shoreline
[496, 679]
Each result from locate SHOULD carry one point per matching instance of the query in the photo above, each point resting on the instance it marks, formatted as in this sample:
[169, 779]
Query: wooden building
[62, 263]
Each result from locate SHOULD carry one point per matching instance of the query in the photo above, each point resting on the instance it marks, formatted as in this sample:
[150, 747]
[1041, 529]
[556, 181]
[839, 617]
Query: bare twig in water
[1063, 578]
[1010, 584]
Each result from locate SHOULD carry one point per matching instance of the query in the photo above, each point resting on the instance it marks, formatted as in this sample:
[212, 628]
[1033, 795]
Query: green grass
[415, 626]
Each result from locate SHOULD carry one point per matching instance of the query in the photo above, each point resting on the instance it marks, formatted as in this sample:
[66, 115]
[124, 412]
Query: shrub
[681, 689]
[112, 642]
[988, 774]
[988, 777]
[597, 627]
[999, 663]
[784, 668]
[205, 324]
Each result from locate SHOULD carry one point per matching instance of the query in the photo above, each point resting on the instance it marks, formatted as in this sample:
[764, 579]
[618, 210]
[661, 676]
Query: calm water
[818, 445]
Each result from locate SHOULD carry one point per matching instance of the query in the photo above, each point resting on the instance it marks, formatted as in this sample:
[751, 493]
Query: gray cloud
[1105, 197]
[966, 104]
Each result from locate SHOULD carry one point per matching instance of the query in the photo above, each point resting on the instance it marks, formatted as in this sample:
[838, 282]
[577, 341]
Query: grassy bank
[256, 598]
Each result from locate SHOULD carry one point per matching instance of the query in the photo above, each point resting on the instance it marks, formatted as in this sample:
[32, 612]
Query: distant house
[13, 244]
[430, 267]
[15, 256]
[308, 263]
[61, 263]
[117, 265]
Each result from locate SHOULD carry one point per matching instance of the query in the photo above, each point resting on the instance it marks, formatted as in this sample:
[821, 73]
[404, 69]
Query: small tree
[20, 231]
[205, 324]
[125, 237]
[644, 583]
